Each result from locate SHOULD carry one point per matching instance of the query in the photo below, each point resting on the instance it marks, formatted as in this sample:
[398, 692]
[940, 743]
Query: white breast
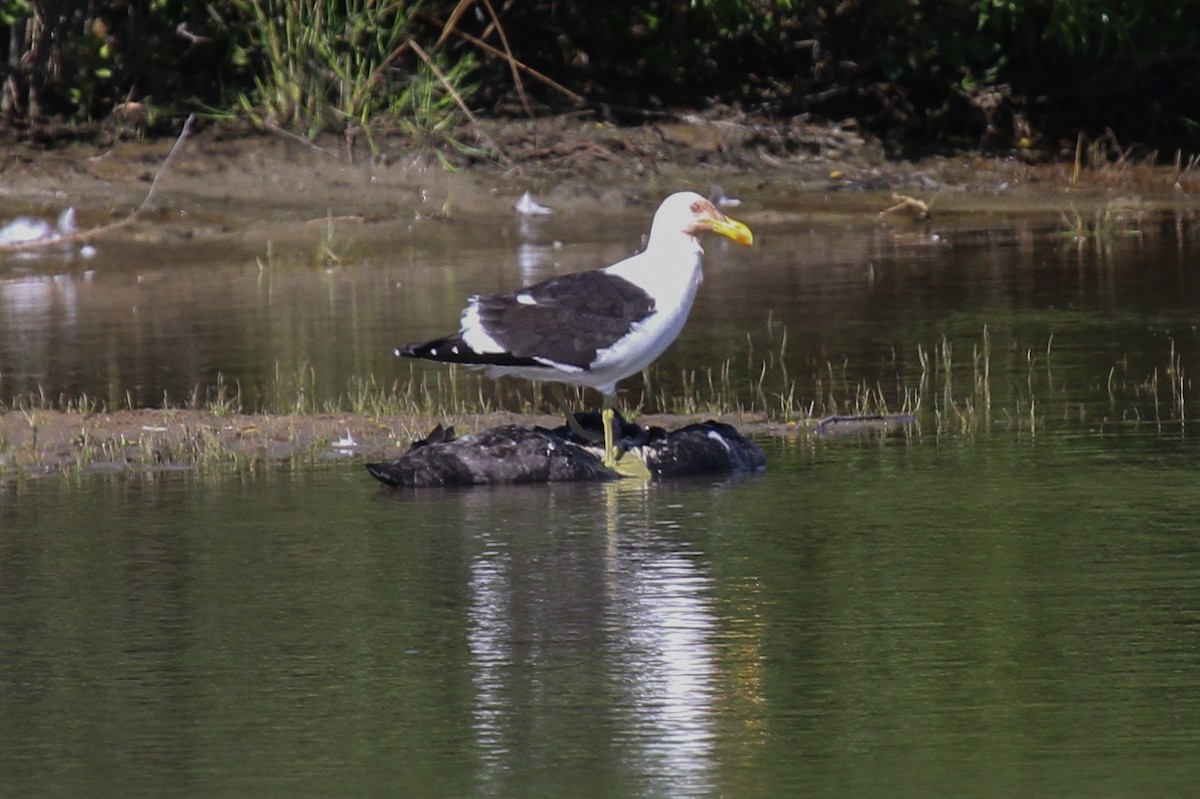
[672, 278]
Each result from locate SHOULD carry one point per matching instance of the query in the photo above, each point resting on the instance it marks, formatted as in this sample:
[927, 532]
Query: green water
[1008, 615]
[1003, 600]
[818, 306]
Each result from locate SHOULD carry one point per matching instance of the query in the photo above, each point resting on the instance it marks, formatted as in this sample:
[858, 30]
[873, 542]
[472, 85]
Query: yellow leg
[628, 466]
[610, 446]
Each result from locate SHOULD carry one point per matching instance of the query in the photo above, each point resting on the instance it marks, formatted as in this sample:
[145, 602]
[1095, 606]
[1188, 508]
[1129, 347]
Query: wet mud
[260, 187]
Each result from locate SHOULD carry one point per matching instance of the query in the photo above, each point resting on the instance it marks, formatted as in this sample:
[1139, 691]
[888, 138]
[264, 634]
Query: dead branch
[90, 233]
[528, 70]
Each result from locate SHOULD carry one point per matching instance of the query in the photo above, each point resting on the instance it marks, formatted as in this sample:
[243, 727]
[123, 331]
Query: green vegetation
[956, 393]
[952, 391]
[326, 65]
[302, 67]
[1029, 74]
[1105, 224]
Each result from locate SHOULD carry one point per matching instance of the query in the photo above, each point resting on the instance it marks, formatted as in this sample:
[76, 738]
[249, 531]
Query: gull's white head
[688, 213]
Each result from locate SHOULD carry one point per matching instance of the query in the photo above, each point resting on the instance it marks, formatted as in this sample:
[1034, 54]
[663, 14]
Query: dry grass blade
[508, 56]
[83, 235]
[1079, 140]
[441, 76]
[451, 25]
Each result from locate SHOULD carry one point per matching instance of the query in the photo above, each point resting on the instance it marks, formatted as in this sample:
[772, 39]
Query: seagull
[592, 328]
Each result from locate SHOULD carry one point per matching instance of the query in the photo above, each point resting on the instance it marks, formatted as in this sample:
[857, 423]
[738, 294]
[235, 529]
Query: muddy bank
[262, 187]
[45, 442]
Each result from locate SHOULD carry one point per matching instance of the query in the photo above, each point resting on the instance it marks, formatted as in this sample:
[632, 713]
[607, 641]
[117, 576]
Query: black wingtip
[452, 349]
[435, 350]
[439, 435]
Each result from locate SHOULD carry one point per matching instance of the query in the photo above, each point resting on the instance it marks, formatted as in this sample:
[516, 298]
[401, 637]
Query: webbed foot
[628, 465]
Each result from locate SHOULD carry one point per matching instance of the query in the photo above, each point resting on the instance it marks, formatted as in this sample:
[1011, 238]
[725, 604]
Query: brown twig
[919, 208]
[83, 235]
[387, 62]
[183, 135]
[533, 73]
[275, 130]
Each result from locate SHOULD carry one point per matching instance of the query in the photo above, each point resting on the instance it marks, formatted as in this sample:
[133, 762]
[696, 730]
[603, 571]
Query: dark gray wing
[565, 320]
